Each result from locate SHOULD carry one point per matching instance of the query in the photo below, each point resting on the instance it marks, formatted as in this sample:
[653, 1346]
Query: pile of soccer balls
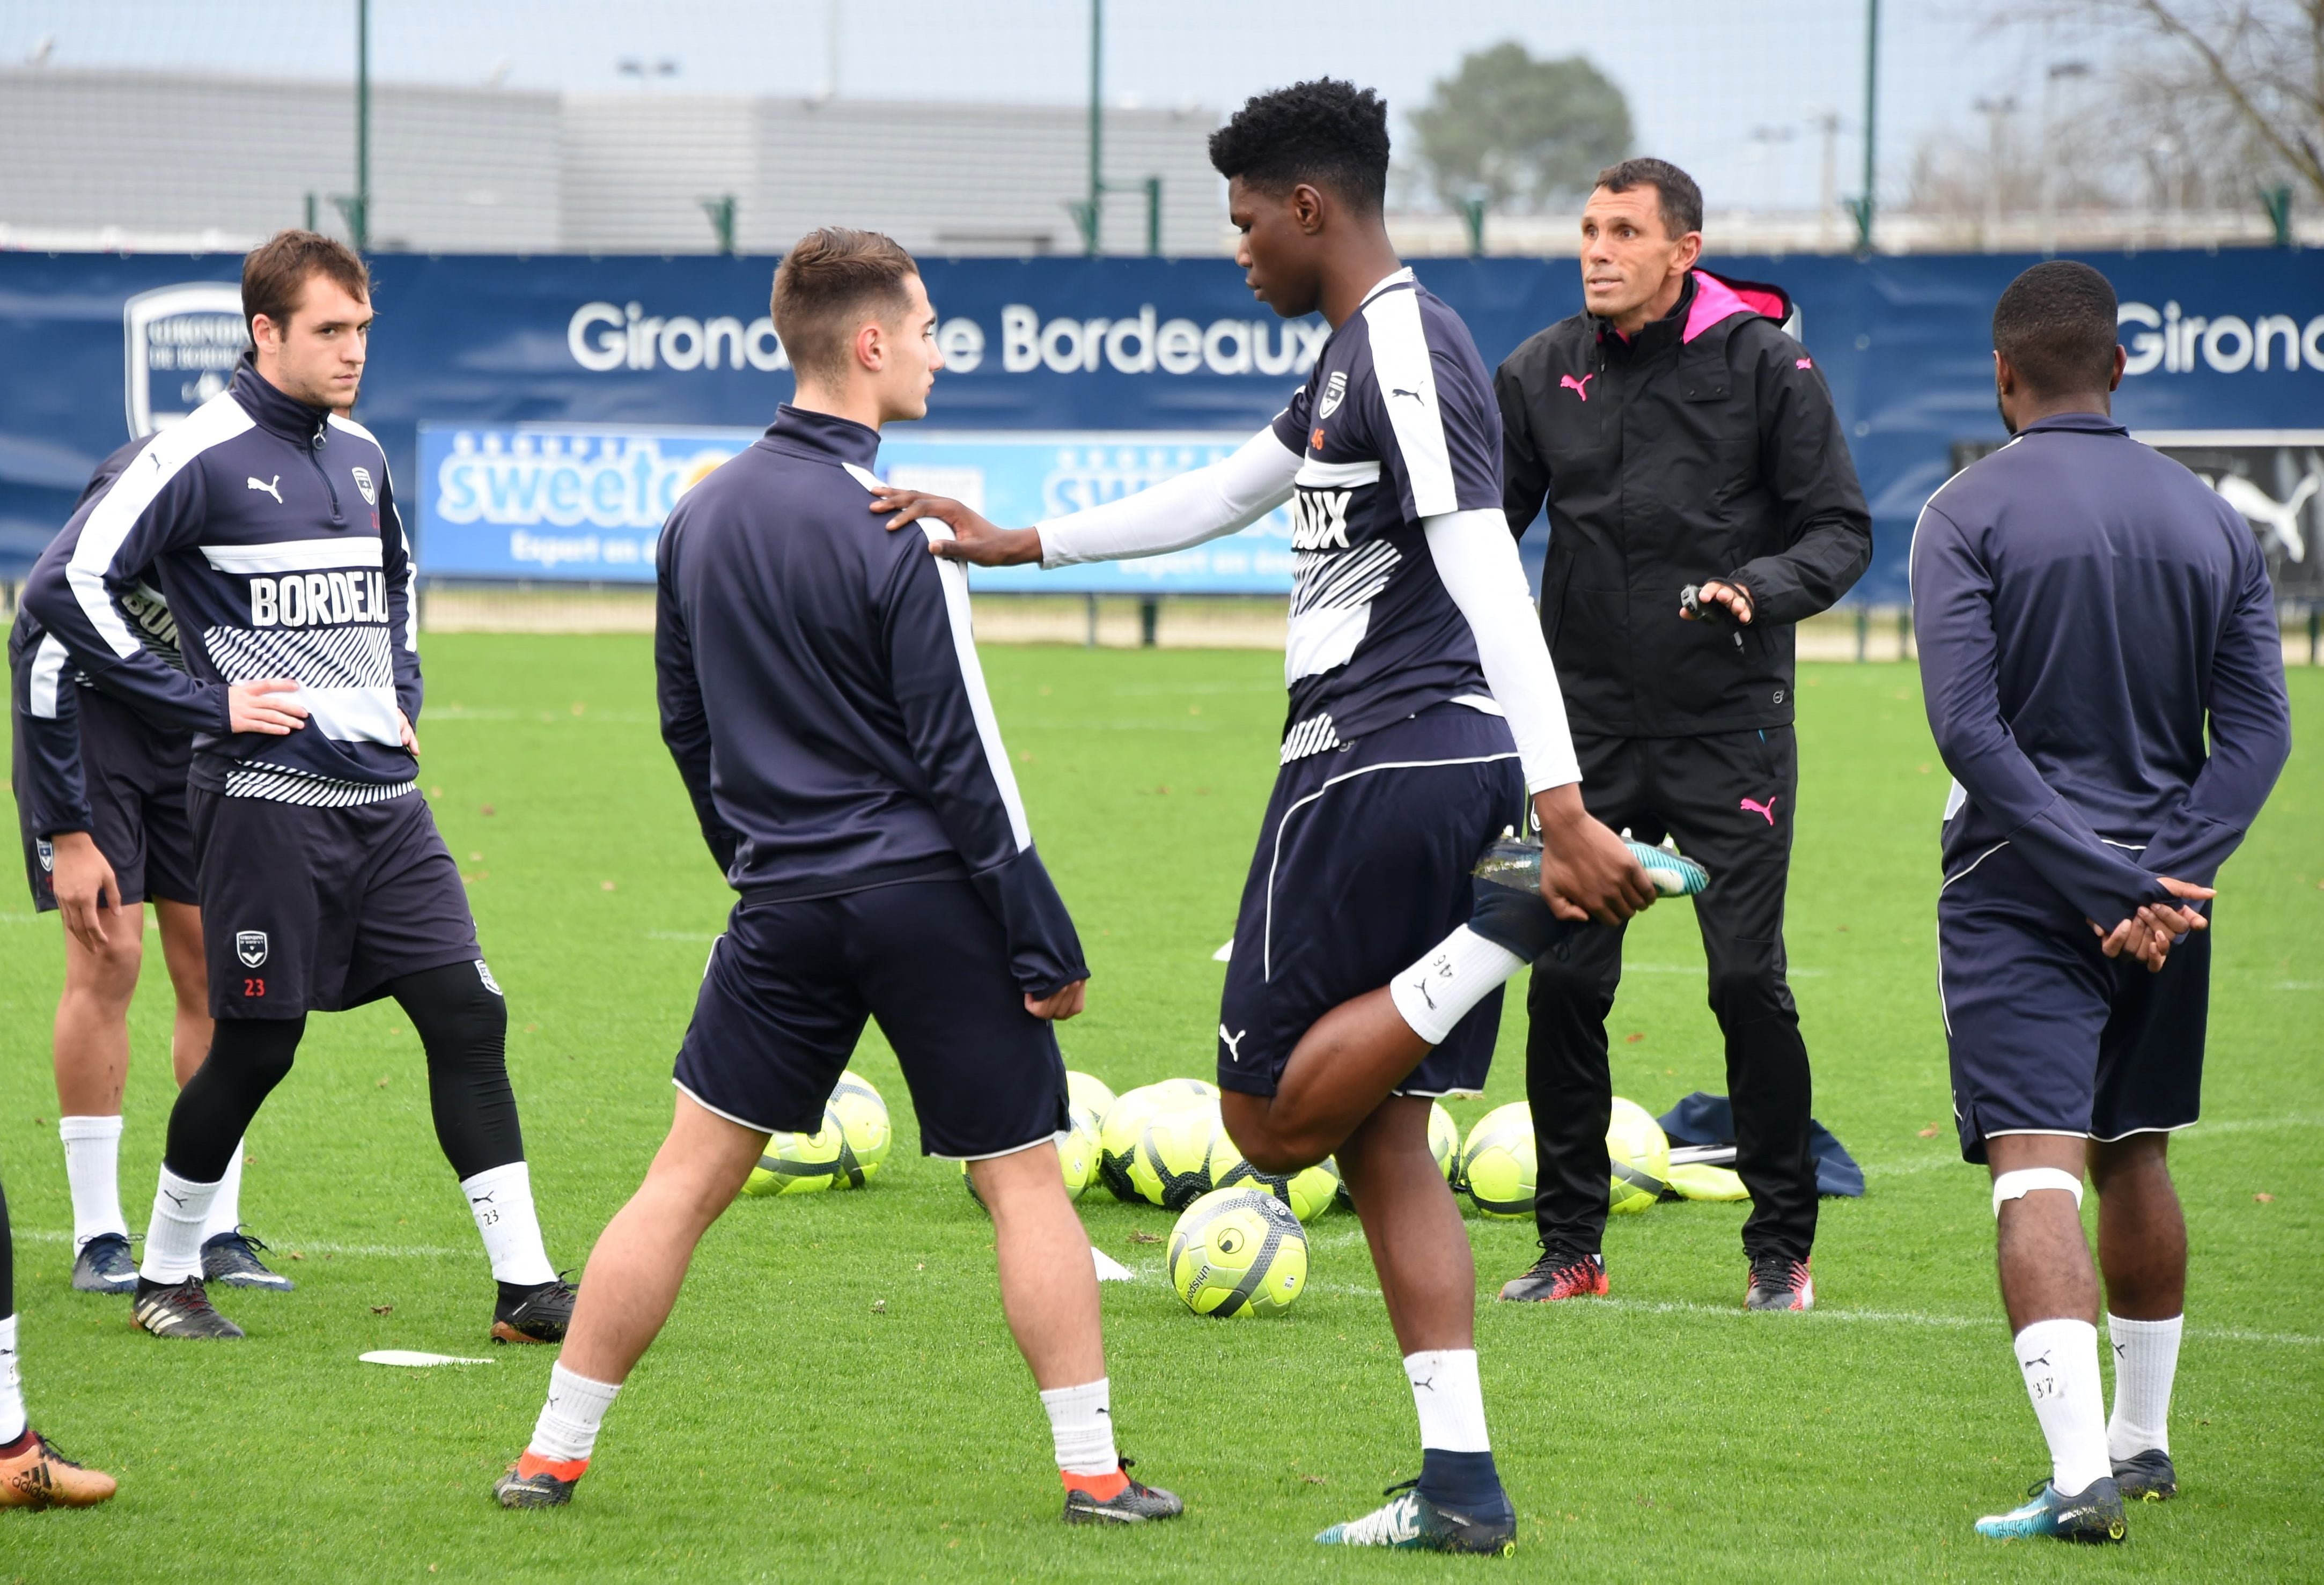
[1496, 1163]
[1240, 1245]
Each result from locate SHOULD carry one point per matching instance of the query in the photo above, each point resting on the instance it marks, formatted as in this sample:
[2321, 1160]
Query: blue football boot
[2093, 1514]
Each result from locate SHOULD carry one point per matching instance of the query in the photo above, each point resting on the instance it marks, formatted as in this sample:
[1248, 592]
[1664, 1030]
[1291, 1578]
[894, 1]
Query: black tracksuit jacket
[1705, 447]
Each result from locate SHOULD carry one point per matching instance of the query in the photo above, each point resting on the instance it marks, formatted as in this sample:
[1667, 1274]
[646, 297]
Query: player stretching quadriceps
[821, 694]
[270, 520]
[1365, 973]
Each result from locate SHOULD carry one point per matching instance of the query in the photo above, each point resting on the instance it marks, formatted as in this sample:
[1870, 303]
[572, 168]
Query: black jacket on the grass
[821, 694]
[1705, 447]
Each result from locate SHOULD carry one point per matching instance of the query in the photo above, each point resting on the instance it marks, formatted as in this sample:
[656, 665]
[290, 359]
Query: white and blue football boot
[2092, 1515]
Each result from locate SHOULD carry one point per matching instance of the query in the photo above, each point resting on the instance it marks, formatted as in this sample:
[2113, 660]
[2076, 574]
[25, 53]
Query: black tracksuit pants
[1728, 799]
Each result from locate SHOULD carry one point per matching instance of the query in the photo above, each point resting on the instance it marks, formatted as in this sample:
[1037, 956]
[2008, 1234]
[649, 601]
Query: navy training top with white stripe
[51, 784]
[2085, 607]
[821, 694]
[1397, 423]
[273, 528]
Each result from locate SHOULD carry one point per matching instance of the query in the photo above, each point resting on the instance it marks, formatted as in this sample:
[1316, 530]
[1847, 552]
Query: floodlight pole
[1093, 216]
[359, 216]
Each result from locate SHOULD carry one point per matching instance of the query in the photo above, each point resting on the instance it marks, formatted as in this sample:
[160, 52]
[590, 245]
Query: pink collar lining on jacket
[1715, 302]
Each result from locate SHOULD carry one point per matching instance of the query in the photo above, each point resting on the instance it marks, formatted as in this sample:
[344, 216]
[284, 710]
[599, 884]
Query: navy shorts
[135, 778]
[1363, 865]
[2048, 1035]
[790, 985]
[311, 909]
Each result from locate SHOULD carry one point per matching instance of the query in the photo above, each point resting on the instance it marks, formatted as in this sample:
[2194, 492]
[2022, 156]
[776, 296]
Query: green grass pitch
[836, 1397]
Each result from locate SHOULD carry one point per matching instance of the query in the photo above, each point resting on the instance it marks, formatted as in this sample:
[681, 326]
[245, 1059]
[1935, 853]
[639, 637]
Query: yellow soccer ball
[1076, 1156]
[1238, 1251]
[1077, 1151]
[1639, 1153]
[1088, 1091]
[864, 1130]
[1182, 1155]
[1309, 1193]
[1126, 1120]
[1443, 1144]
[801, 1163]
[1496, 1164]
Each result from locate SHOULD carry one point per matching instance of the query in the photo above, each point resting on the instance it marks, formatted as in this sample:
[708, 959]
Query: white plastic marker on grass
[414, 1357]
[1109, 1269]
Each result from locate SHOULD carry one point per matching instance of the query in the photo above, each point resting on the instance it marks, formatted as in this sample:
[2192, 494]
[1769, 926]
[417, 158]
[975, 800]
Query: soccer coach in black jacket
[1678, 437]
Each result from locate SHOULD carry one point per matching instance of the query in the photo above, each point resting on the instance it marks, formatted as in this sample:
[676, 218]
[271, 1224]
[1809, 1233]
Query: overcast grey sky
[1729, 90]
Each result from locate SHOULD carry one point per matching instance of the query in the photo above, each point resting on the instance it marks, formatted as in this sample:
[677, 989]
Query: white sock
[2059, 1361]
[1452, 1403]
[2145, 1360]
[173, 1239]
[12, 1390]
[225, 1210]
[576, 1405]
[1081, 1422]
[93, 1169]
[501, 1198]
[1451, 978]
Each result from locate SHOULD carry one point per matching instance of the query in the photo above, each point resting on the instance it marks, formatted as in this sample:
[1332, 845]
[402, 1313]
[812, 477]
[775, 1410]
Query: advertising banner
[561, 501]
[101, 346]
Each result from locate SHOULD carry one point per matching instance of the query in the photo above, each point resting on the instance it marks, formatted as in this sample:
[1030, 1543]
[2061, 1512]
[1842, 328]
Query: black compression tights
[462, 1024]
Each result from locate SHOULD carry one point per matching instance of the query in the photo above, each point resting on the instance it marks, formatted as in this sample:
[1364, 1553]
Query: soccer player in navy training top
[2086, 608]
[821, 695]
[101, 796]
[268, 518]
[1424, 714]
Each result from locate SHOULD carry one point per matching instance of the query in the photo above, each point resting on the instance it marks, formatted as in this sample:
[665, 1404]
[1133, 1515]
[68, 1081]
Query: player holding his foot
[324, 885]
[2086, 608]
[32, 1474]
[101, 795]
[821, 694]
[1423, 716]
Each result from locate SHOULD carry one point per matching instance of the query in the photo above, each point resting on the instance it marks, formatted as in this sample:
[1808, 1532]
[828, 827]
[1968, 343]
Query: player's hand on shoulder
[973, 538]
[86, 888]
[1062, 1003]
[1586, 871]
[258, 706]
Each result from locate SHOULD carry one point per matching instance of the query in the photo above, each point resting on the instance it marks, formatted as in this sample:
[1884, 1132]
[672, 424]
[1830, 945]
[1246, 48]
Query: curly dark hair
[2055, 324]
[1327, 133]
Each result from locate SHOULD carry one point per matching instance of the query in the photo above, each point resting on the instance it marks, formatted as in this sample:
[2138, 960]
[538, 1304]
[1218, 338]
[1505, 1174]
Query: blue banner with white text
[1071, 375]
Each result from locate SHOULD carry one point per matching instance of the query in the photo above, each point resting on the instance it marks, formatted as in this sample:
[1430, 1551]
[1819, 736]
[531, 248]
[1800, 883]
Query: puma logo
[1427, 1386]
[1232, 1042]
[174, 1198]
[268, 488]
[1421, 985]
[1580, 388]
[1765, 811]
[1399, 391]
[483, 1199]
[2042, 1360]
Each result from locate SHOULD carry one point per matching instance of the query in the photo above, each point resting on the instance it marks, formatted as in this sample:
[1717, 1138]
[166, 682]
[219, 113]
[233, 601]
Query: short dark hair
[829, 279]
[1680, 200]
[274, 274]
[1326, 132]
[2056, 326]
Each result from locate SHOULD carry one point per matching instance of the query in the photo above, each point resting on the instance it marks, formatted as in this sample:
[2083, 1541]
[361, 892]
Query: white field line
[284, 1247]
[2199, 1131]
[1874, 1317]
